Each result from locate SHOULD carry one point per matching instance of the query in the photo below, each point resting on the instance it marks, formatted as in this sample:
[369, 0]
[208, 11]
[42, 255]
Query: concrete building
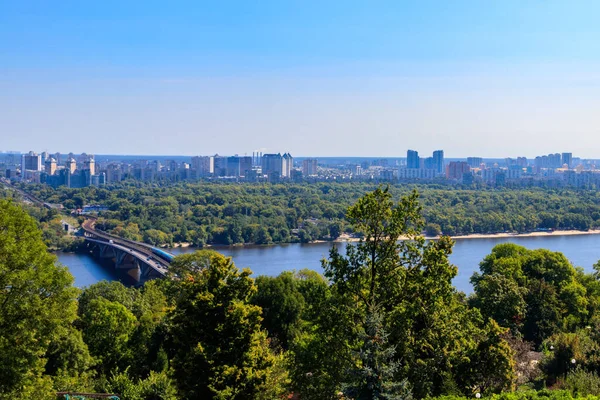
[549, 161]
[90, 165]
[427, 163]
[456, 169]
[567, 159]
[309, 167]
[98, 180]
[272, 165]
[233, 166]
[245, 166]
[514, 172]
[412, 159]
[31, 162]
[71, 165]
[219, 165]
[474, 162]
[416, 173]
[438, 161]
[203, 165]
[50, 166]
[287, 164]
[114, 173]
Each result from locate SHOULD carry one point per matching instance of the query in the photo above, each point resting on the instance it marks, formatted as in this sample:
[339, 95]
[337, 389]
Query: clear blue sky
[364, 78]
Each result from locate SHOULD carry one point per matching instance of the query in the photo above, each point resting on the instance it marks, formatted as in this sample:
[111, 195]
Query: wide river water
[582, 250]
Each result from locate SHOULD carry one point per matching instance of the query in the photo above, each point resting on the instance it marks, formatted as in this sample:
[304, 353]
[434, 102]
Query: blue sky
[364, 78]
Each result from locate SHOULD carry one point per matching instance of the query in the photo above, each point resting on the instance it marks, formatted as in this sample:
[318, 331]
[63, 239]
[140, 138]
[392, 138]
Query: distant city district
[76, 171]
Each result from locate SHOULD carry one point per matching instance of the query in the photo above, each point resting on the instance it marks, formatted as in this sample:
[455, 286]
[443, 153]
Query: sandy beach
[530, 234]
[347, 238]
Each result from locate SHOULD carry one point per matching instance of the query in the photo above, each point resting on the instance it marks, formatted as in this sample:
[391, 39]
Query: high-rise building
[233, 166]
[245, 166]
[456, 169]
[155, 166]
[556, 160]
[438, 161]
[412, 159]
[203, 165]
[272, 164]
[31, 162]
[71, 165]
[50, 166]
[98, 180]
[567, 159]
[549, 161]
[90, 165]
[220, 165]
[114, 173]
[309, 167]
[474, 162]
[428, 163]
[171, 165]
[287, 164]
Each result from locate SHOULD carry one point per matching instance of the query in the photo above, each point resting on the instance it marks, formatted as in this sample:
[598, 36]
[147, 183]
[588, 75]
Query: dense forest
[384, 322]
[231, 213]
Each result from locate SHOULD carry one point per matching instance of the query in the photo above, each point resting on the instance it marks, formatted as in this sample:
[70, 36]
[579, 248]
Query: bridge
[140, 261]
[137, 260]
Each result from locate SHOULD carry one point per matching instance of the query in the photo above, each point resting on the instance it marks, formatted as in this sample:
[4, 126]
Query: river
[582, 250]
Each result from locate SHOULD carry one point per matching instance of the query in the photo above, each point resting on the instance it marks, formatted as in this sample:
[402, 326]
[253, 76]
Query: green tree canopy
[219, 350]
[37, 303]
[410, 282]
[536, 293]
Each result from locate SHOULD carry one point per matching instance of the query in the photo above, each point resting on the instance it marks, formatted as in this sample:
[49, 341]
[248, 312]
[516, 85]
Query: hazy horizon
[326, 80]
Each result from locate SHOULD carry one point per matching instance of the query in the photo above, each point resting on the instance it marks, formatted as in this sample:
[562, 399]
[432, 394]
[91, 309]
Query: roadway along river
[582, 250]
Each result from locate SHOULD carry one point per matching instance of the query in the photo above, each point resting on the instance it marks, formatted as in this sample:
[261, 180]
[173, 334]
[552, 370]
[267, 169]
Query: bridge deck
[153, 262]
[142, 250]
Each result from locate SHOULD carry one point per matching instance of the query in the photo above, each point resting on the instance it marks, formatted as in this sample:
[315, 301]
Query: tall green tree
[219, 349]
[282, 306]
[374, 376]
[410, 281]
[536, 293]
[107, 327]
[37, 305]
[372, 269]
[490, 365]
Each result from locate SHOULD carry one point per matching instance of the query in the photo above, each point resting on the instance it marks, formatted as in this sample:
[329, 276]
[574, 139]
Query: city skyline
[400, 155]
[337, 79]
[83, 170]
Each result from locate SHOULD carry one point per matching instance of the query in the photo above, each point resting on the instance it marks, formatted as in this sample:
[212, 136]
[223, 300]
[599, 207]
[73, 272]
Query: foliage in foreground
[527, 395]
[37, 307]
[384, 323]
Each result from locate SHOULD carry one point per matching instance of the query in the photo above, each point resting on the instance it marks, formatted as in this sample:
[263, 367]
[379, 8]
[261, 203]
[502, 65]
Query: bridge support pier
[133, 263]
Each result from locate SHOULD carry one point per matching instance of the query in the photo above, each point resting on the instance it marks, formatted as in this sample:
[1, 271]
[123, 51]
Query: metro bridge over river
[140, 261]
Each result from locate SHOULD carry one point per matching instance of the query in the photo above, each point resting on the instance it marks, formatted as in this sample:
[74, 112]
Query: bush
[158, 386]
[529, 395]
[582, 383]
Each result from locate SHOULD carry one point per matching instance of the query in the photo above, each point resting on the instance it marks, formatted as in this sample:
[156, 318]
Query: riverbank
[348, 238]
[530, 234]
[345, 238]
